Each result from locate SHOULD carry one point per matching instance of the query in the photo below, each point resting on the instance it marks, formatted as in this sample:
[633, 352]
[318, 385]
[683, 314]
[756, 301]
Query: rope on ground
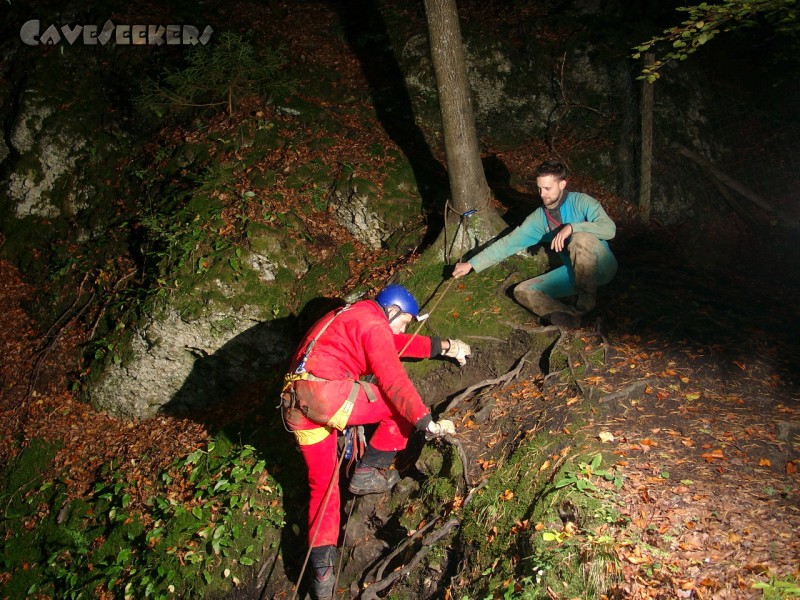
[487, 382]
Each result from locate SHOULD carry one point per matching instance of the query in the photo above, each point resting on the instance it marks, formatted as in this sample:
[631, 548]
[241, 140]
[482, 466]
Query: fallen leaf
[764, 462]
[606, 436]
[520, 526]
[491, 535]
[636, 560]
[713, 455]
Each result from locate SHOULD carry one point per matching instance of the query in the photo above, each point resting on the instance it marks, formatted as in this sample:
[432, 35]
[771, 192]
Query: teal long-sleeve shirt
[583, 212]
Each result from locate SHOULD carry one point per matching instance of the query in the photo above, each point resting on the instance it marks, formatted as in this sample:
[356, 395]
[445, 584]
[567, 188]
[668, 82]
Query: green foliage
[195, 542]
[525, 534]
[581, 475]
[222, 73]
[777, 588]
[705, 21]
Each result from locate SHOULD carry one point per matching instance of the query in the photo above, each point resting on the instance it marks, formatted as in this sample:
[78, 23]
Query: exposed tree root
[427, 543]
[488, 382]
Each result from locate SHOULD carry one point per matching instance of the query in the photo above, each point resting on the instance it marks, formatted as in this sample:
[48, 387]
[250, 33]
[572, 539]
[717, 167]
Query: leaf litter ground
[712, 491]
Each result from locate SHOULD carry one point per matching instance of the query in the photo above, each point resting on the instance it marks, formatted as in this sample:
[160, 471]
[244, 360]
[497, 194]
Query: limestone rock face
[31, 187]
[356, 216]
[180, 366]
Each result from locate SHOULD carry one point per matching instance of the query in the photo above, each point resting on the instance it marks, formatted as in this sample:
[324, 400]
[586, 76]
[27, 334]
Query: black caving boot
[372, 474]
[323, 561]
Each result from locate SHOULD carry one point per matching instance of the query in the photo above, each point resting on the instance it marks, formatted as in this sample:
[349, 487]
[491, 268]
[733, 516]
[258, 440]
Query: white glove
[440, 428]
[458, 350]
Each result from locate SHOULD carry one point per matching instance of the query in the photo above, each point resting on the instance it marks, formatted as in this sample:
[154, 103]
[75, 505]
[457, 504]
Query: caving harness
[291, 401]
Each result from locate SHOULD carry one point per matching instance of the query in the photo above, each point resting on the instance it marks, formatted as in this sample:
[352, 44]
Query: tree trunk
[468, 185]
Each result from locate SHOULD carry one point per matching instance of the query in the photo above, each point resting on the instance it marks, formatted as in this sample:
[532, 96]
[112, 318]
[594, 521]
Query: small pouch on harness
[330, 402]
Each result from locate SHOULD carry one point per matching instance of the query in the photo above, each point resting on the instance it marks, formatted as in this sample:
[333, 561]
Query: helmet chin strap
[397, 314]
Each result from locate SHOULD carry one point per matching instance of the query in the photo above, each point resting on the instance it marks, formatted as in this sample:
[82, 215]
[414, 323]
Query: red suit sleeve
[392, 378]
[420, 346]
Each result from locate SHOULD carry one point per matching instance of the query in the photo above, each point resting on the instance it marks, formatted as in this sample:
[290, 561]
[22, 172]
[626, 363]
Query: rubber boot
[323, 565]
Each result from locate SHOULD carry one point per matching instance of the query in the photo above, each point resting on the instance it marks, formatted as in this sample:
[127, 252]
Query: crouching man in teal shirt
[576, 227]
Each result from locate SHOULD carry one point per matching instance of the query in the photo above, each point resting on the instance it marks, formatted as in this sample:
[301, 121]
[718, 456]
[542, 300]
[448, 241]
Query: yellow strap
[339, 418]
[290, 378]
[307, 437]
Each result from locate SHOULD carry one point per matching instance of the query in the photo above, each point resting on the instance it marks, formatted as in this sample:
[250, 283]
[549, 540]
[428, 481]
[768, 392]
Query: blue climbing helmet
[397, 295]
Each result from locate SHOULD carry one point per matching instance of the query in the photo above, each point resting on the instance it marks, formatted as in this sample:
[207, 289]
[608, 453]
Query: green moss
[262, 180]
[443, 469]
[264, 239]
[314, 171]
[24, 490]
[268, 138]
[29, 465]
[364, 187]
[101, 542]
[400, 179]
[377, 150]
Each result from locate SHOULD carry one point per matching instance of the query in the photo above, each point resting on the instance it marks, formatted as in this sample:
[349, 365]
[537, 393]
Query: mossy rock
[303, 110]
[263, 238]
[268, 138]
[364, 187]
[400, 179]
[262, 180]
[326, 278]
[321, 143]
[377, 150]
[187, 155]
[314, 171]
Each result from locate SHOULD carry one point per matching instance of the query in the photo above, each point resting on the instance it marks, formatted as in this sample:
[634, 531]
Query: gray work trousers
[587, 263]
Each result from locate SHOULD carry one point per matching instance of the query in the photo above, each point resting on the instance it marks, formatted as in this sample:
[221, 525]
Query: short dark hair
[552, 167]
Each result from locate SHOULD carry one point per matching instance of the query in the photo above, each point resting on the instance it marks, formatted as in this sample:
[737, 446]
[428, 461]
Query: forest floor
[703, 415]
[711, 451]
